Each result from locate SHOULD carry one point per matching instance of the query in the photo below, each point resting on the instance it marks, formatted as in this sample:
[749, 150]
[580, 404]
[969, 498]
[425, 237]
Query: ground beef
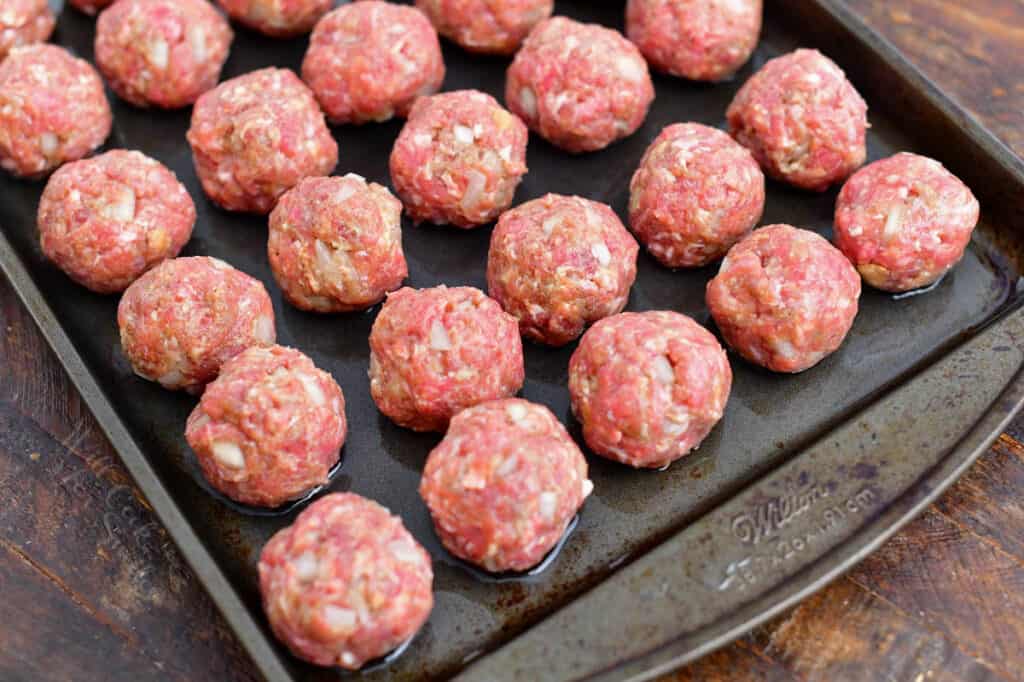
[804, 122]
[697, 192]
[336, 244]
[486, 26]
[369, 61]
[163, 53]
[560, 263]
[784, 298]
[346, 583]
[106, 220]
[458, 159]
[904, 221]
[504, 484]
[269, 428]
[24, 22]
[277, 18]
[90, 6]
[580, 86]
[184, 318]
[705, 40]
[255, 136]
[434, 352]
[648, 387]
[52, 110]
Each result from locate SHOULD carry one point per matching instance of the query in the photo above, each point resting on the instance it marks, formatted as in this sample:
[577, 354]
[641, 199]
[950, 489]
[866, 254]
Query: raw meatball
[648, 387]
[434, 352]
[560, 263]
[255, 136]
[697, 192]
[804, 122]
[268, 429]
[24, 22]
[277, 18]
[52, 109]
[90, 7]
[784, 298]
[704, 40]
[458, 159]
[486, 26]
[504, 484]
[184, 318]
[904, 221]
[368, 61]
[163, 53]
[106, 220]
[346, 583]
[336, 244]
[580, 86]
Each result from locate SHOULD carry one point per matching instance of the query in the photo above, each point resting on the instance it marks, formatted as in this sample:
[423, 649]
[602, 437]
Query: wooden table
[91, 587]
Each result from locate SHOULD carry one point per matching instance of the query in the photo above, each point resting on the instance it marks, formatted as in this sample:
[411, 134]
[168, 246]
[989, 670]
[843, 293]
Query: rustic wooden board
[93, 589]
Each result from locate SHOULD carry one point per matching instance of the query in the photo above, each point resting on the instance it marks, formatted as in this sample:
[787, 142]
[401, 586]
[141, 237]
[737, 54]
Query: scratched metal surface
[769, 417]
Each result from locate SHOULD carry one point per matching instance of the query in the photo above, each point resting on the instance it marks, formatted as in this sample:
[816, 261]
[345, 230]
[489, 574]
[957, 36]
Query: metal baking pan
[804, 476]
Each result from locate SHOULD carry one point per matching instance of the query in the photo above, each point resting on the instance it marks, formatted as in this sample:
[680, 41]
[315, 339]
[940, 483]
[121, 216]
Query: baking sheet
[769, 416]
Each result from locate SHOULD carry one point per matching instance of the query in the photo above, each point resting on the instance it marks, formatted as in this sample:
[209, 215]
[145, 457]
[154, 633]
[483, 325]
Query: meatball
[277, 18]
[580, 86]
[904, 221]
[703, 40]
[52, 110]
[184, 318]
[106, 220]
[90, 7]
[697, 192]
[804, 122]
[458, 159]
[336, 244]
[163, 53]
[648, 387]
[24, 22]
[486, 26]
[255, 136]
[784, 298]
[369, 61]
[434, 352]
[504, 484]
[346, 583]
[558, 264]
[268, 429]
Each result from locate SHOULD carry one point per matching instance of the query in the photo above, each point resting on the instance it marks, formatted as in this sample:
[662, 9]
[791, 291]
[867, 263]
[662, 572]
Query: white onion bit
[588, 487]
[158, 54]
[548, 504]
[339, 619]
[630, 68]
[516, 412]
[344, 192]
[439, 339]
[228, 454]
[528, 101]
[463, 134]
[474, 189]
[197, 42]
[264, 329]
[312, 388]
[893, 222]
[306, 566]
[404, 551]
[48, 143]
[600, 251]
[663, 370]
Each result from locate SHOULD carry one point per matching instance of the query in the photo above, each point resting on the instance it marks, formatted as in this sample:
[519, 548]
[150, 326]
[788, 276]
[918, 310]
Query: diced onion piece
[528, 101]
[439, 339]
[516, 412]
[663, 371]
[158, 54]
[588, 487]
[344, 192]
[48, 143]
[339, 619]
[549, 224]
[507, 466]
[171, 379]
[263, 330]
[306, 566]
[404, 551]
[893, 222]
[122, 209]
[630, 68]
[600, 251]
[548, 504]
[197, 42]
[476, 182]
[463, 134]
[355, 176]
[312, 388]
[228, 454]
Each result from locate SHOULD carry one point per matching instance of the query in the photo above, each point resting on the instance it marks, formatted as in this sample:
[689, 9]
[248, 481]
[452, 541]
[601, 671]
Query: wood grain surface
[92, 589]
